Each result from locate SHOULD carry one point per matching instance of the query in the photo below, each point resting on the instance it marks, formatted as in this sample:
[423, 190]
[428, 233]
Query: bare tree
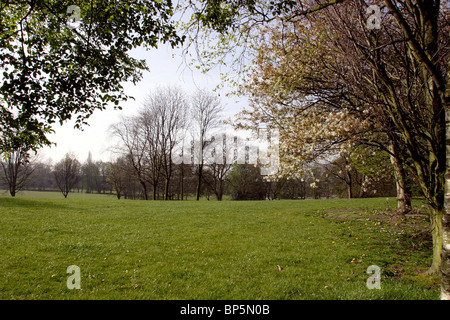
[116, 176]
[205, 114]
[67, 173]
[119, 173]
[152, 154]
[42, 177]
[17, 169]
[180, 158]
[218, 164]
[163, 116]
[129, 131]
[149, 138]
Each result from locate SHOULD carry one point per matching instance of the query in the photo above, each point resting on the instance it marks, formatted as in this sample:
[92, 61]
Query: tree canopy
[59, 60]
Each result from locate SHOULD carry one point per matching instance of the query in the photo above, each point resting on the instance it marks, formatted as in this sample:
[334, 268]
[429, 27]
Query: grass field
[305, 249]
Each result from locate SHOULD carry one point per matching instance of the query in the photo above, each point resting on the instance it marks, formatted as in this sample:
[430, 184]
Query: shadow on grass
[29, 203]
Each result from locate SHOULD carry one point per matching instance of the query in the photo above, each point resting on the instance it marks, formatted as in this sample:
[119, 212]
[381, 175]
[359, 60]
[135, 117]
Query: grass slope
[210, 250]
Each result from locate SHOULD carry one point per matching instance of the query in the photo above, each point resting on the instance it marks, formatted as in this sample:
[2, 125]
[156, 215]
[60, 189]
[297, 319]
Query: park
[124, 174]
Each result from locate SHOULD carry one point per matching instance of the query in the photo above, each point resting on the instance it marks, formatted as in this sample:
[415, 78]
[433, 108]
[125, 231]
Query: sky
[166, 68]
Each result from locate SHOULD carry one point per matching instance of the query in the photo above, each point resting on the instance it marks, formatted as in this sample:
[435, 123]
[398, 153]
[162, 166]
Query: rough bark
[436, 216]
[423, 47]
[445, 254]
[403, 192]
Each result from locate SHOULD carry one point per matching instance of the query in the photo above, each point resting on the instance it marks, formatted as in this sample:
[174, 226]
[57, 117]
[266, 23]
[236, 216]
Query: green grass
[210, 250]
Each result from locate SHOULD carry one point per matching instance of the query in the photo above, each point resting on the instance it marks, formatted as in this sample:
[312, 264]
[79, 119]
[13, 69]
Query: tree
[17, 170]
[313, 117]
[347, 173]
[433, 67]
[133, 146]
[167, 108]
[42, 178]
[102, 185]
[407, 73]
[91, 174]
[150, 138]
[182, 166]
[218, 164]
[61, 61]
[378, 59]
[408, 59]
[116, 177]
[445, 268]
[274, 188]
[67, 173]
[16, 146]
[119, 174]
[377, 171]
[299, 85]
[152, 155]
[205, 112]
[246, 182]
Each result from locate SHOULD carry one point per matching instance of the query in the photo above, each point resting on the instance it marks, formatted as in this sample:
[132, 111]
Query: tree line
[176, 147]
[232, 181]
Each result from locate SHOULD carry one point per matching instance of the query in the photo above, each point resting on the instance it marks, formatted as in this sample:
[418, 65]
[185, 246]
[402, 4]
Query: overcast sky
[166, 68]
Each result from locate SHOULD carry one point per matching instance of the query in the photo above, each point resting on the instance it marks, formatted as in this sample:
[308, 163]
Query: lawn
[287, 249]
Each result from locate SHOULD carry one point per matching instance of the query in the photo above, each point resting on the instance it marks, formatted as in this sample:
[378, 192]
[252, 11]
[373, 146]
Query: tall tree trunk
[403, 197]
[220, 195]
[199, 182]
[403, 191]
[349, 185]
[168, 174]
[166, 188]
[182, 180]
[144, 190]
[436, 216]
[445, 254]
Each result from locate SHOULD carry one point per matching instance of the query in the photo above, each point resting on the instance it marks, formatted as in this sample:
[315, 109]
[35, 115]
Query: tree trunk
[436, 215]
[166, 188]
[144, 190]
[403, 191]
[349, 185]
[155, 185]
[220, 195]
[182, 180]
[403, 197]
[199, 182]
[445, 254]
[168, 174]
